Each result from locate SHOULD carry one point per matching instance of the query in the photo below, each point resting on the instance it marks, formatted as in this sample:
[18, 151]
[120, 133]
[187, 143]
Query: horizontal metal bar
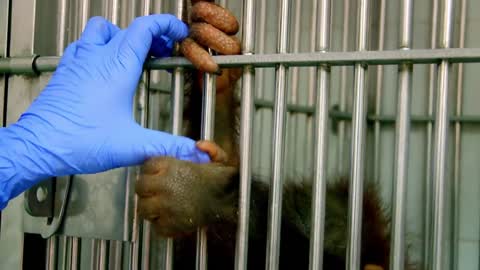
[21, 65]
[466, 119]
[390, 119]
[338, 115]
[392, 57]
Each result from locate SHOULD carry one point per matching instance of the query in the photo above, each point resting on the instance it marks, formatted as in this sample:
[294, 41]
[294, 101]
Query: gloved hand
[82, 122]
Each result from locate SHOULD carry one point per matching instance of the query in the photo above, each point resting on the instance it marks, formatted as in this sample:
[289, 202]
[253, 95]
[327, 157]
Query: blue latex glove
[82, 122]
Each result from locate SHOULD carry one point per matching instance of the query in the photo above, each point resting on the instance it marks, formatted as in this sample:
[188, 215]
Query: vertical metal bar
[5, 21]
[143, 100]
[321, 136]
[146, 226]
[132, 248]
[157, 6]
[275, 200]
[114, 15]
[134, 251]
[295, 134]
[104, 260]
[102, 252]
[67, 253]
[455, 237]
[84, 14]
[402, 130]
[72, 252]
[94, 254]
[169, 253]
[343, 89]
[114, 262]
[177, 116]
[52, 253]
[358, 145]
[427, 241]
[262, 26]
[75, 253]
[208, 124]
[312, 80]
[62, 26]
[207, 133]
[440, 140]
[260, 78]
[115, 255]
[378, 93]
[246, 127]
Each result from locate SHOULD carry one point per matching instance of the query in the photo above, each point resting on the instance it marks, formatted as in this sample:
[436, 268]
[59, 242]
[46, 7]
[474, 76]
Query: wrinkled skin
[178, 197]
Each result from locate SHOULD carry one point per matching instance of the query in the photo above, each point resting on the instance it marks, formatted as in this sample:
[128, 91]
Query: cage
[381, 91]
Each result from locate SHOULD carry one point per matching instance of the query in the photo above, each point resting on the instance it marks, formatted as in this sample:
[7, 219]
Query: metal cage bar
[358, 144]
[321, 135]
[275, 198]
[293, 133]
[428, 176]
[115, 255]
[246, 126]
[440, 139]
[402, 142]
[75, 253]
[207, 133]
[144, 103]
[30, 65]
[52, 243]
[318, 105]
[260, 79]
[52, 246]
[102, 254]
[312, 80]
[343, 88]
[177, 116]
[379, 92]
[455, 237]
[93, 253]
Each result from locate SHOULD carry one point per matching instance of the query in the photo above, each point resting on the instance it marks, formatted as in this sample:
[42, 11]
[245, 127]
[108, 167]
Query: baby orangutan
[179, 196]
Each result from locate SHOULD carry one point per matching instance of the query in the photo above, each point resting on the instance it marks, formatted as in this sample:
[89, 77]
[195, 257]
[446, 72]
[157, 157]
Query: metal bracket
[44, 200]
[39, 199]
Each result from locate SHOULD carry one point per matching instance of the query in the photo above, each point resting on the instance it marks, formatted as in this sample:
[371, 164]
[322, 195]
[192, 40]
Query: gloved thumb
[145, 143]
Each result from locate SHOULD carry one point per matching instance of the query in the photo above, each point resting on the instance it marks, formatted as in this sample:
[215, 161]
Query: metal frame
[39, 64]
[320, 115]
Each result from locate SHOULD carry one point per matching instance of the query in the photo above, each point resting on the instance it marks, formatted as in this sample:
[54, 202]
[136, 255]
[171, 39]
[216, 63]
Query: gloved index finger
[145, 34]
